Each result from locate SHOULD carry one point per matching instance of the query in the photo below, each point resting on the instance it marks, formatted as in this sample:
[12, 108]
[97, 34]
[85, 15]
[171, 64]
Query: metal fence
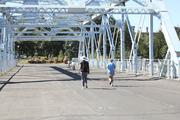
[161, 67]
[7, 62]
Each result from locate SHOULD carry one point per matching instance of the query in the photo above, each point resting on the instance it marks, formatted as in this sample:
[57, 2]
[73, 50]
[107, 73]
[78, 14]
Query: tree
[61, 56]
[26, 48]
[143, 46]
[71, 49]
[160, 46]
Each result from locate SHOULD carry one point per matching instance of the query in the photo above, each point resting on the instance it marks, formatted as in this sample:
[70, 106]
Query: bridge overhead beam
[44, 32]
[52, 25]
[68, 10]
[48, 38]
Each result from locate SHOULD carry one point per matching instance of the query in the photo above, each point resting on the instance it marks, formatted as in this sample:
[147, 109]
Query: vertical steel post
[104, 42]
[92, 44]
[1, 50]
[80, 54]
[8, 43]
[81, 44]
[134, 61]
[4, 59]
[99, 60]
[151, 45]
[168, 68]
[122, 43]
[172, 68]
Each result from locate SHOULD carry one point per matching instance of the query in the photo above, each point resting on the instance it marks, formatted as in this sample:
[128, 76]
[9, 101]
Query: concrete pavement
[53, 92]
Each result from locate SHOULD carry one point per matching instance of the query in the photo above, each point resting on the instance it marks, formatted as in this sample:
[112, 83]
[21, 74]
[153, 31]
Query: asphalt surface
[53, 92]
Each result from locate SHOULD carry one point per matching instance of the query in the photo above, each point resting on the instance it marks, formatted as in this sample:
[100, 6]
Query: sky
[174, 10]
[172, 7]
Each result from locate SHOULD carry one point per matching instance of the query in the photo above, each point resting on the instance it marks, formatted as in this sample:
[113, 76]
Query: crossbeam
[81, 10]
[16, 25]
[59, 32]
[49, 38]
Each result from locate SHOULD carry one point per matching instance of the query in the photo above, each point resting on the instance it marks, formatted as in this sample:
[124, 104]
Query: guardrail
[162, 67]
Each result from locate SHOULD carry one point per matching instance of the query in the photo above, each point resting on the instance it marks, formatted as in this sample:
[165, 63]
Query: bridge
[70, 20]
[141, 89]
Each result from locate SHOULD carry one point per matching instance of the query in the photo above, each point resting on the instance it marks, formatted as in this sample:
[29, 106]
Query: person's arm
[114, 66]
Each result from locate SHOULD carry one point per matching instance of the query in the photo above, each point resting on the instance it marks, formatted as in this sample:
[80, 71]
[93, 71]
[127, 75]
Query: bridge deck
[53, 92]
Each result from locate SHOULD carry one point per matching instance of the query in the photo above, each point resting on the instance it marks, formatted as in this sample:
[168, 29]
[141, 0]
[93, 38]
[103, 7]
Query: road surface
[53, 92]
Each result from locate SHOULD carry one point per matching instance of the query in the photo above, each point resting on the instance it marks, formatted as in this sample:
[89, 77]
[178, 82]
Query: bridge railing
[161, 67]
[7, 62]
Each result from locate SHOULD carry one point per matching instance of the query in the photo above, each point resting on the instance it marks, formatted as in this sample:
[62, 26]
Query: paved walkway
[53, 92]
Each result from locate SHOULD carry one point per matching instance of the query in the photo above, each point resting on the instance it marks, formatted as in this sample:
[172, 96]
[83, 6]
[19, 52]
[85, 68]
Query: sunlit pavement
[53, 92]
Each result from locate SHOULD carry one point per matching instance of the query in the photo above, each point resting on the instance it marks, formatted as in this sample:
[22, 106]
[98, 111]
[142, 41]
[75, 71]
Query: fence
[161, 67]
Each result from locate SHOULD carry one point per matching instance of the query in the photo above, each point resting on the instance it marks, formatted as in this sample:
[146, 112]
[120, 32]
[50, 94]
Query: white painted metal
[171, 37]
[104, 43]
[92, 36]
[78, 14]
[122, 43]
[151, 45]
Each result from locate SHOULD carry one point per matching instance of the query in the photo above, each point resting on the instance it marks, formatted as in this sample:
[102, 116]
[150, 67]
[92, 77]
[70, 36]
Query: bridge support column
[4, 53]
[168, 68]
[174, 69]
[122, 44]
[104, 43]
[81, 49]
[1, 51]
[104, 48]
[151, 45]
[134, 59]
[92, 45]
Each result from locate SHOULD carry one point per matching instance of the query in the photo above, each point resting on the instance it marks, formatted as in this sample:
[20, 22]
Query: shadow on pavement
[137, 79]
[35, 81]
[6, 82]
[74, 76]
[103, 88]
[66, 72]
[125, 86]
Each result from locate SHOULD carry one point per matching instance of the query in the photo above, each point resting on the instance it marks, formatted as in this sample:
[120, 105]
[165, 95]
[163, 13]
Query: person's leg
[110, 79]
[85, 80]
[82, 79]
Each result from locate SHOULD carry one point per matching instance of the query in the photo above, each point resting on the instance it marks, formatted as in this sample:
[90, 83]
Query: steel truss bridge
[74, 21]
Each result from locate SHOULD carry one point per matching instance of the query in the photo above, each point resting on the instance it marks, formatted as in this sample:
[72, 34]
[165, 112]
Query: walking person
[84, 68]
[111, 71]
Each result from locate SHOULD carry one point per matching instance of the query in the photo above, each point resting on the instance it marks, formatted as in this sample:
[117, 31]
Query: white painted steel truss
[74, 20]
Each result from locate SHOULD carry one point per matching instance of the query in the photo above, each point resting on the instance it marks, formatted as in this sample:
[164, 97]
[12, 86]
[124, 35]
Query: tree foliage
[70, 49]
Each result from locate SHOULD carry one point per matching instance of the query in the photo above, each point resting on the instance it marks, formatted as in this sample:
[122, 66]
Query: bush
[60, 56]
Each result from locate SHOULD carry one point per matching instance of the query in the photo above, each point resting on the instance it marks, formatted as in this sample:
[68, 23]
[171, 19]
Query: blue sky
[174, 9]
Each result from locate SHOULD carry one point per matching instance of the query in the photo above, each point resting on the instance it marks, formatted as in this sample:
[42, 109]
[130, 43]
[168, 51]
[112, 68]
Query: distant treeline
[70, 49]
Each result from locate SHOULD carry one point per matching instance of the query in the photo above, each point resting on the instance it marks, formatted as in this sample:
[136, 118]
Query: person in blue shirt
[111, 71]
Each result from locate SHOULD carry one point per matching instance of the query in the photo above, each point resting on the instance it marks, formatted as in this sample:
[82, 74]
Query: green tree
[71, 49]
[26, 48]
[160, 46]
[143, 46]
[61, 56]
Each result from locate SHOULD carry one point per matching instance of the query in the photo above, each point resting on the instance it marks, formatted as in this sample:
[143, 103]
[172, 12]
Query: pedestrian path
[53, 92]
